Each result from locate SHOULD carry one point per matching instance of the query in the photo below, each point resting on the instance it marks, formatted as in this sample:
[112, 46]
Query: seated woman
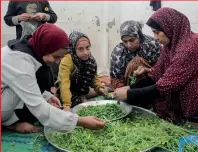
[78, 72]
[26, 80]
[134, 44]
[172, 82]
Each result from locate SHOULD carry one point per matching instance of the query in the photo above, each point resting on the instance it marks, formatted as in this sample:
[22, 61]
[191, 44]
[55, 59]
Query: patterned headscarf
[121, 56]
[176, 72]
[86, 70]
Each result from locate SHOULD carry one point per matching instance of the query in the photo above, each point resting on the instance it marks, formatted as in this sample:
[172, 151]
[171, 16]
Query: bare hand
[121, 93]
[38, 16]
[83, 98]
[54, 101]
[24, 17]
[91, 122]
[141, 71]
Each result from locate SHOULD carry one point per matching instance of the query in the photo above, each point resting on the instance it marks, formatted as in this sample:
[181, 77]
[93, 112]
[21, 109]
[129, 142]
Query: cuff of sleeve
[73, 119]
[97, 88]
[47, 95]
[47, 18]
[15, 20]
[66, 104]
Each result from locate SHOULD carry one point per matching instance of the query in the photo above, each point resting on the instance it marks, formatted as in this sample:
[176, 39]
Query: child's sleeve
[65, 70]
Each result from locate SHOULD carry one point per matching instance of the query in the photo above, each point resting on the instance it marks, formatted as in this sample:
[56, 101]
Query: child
[78, 72]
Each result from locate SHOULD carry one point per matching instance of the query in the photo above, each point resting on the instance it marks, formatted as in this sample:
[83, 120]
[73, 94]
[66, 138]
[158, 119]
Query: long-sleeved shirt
[18, 73]
[17, 8]
[67, 69]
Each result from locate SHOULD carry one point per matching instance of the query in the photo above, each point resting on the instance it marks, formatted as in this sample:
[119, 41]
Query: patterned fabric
[176, 72]
[121, 56]
[86, 70]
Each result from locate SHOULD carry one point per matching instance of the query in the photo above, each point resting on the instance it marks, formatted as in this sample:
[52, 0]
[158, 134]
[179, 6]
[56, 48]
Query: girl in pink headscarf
[26, 81]
[172, 83]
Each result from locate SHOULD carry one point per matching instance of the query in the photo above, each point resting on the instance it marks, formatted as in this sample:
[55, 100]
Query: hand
[66, 108]
[24, 17]
[141, 71]
[83, 98]
[121, 93]
[91, 122]
[133, 65]
[54, 101]
[102, 91]
[38, 16]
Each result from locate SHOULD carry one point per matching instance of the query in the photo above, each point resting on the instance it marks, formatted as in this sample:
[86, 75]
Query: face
[55, 57]
[159, 35]
[83, 50]
[131, 43]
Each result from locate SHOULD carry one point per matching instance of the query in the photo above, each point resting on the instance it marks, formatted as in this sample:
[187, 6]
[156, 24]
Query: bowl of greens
[109, 110]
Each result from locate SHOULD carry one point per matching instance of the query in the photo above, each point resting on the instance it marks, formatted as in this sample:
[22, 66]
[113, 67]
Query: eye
[88, 47]
[132, 40]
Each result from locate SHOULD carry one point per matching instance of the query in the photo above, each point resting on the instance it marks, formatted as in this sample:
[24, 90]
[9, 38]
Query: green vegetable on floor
[135, 133]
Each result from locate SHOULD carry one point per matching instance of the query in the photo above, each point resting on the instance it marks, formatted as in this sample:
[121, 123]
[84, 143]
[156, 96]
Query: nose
[86, 52]
[129, 44]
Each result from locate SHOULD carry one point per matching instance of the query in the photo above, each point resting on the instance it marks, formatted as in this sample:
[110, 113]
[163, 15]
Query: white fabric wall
[101, 21]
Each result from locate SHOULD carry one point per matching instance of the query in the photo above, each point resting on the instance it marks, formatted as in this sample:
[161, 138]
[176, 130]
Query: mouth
[85, 57]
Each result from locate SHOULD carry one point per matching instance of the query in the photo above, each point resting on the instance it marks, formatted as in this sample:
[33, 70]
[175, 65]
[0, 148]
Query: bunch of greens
[132, 79]
[133, 134]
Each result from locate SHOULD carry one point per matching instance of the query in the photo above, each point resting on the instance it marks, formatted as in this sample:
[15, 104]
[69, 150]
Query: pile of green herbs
[135, 133]
[106, 112]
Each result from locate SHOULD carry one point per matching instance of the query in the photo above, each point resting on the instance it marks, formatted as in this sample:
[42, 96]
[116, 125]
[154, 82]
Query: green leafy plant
[135, 133]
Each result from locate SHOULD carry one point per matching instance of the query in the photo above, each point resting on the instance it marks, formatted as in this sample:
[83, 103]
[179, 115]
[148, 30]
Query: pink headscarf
[176, 72]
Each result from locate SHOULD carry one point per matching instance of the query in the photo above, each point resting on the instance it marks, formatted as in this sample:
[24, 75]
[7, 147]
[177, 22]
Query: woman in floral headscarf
[134, 50]
[173, 81]
[78, 72]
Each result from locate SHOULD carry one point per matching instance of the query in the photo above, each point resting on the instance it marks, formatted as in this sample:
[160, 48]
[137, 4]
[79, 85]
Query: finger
[98, 119]
[148, 69]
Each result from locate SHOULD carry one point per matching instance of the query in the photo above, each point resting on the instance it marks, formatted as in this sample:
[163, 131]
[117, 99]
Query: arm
[64, 75]
[26, 87]
[182, 69]
[116, 82]
[51, 16]
[143, 82]
[11, 18]
[140, 95]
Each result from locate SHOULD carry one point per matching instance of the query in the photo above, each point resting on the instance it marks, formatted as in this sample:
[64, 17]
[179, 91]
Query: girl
[78, 72]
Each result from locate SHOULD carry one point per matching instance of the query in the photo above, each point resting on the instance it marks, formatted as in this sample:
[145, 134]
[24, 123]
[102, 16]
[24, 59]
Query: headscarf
[121, 56]
[176, 72]
[47, 39]
[86, 70]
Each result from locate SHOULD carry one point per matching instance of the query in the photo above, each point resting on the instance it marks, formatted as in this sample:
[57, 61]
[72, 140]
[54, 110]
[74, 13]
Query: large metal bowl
[123, 105]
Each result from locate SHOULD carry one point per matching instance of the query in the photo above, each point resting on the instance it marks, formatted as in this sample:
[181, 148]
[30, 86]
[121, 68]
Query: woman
[135, 45]
[78, 72]
[172, 82]
[25, 79]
